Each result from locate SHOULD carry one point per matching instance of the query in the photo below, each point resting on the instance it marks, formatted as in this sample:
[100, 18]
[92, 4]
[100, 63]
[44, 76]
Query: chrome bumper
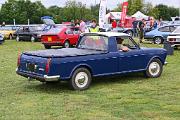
[37, 77]
[165, 63]
[51, 78]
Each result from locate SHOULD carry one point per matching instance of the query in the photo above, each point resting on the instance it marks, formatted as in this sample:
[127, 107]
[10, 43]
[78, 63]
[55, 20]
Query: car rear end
[35, 67]
[54, 36]
[174, 40]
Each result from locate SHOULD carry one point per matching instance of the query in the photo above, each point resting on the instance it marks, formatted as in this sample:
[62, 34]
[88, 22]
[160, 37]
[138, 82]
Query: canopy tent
[117, 16]
[139, 15]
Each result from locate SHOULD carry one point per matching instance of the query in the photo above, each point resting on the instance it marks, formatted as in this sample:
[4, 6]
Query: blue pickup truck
[96, 54]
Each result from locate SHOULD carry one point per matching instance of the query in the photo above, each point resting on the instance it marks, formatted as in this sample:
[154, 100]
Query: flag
[102, 13]
[123, 14]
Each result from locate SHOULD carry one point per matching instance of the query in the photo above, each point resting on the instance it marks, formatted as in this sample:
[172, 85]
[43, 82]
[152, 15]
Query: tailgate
[33, 65]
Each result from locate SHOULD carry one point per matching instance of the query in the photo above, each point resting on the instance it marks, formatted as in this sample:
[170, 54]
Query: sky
[111, 3]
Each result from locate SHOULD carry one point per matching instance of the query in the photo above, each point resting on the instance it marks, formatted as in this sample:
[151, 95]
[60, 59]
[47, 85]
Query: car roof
[108, 34]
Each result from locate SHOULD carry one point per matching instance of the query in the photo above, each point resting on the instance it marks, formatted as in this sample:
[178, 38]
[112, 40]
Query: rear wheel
[158, 40]
[81, 79]
[17, 38]
[47, 46]
[66, 44]
[154, 69]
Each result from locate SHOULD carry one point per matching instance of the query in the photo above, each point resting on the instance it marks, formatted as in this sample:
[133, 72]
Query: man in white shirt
[82, 26]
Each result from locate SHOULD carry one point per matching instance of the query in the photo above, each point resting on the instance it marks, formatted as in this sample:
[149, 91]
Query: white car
[174, 38]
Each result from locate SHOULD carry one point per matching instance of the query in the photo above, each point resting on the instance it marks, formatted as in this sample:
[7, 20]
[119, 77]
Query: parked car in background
[1, 38]
[8, 31]
[128, 31]
[30, 32]
[174, 38]
[159, 35]
[65, 36]
[96, 54]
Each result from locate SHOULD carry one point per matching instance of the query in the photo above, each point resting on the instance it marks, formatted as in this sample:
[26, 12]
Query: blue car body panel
[157, 33]
[100, 63]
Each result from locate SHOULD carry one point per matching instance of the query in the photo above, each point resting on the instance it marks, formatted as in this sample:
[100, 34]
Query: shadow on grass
[60, 87]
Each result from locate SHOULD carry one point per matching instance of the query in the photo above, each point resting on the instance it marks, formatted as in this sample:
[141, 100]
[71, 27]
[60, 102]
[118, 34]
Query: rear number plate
[49, 39]
[31, 67]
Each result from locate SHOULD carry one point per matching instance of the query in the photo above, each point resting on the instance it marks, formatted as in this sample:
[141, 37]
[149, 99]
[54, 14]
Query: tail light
[172, 39]
[19, 60]
[48, 65]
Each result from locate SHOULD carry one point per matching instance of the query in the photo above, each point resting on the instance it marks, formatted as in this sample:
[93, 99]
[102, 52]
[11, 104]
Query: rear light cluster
[48, 65]
[18, 60]
[172, 39]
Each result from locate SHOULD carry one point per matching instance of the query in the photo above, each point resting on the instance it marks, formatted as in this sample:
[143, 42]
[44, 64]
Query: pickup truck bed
[64, 52]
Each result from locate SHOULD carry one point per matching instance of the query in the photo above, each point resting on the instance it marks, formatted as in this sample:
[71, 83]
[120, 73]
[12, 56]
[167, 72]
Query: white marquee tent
[139, 15]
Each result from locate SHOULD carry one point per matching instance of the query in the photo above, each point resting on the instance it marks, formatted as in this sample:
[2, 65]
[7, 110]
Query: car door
[132, 60]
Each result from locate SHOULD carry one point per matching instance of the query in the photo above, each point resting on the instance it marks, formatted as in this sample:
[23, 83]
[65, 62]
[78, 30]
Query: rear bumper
[52, 43]
[40, 78]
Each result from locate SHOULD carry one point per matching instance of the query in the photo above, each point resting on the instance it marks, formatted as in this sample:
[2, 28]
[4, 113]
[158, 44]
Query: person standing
[140, 28]
[94, 27]
[82, 26]
[114, 24]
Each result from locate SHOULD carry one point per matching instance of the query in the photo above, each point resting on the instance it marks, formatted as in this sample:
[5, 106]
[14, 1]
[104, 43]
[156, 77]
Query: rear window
[55, 30]
[164, 29]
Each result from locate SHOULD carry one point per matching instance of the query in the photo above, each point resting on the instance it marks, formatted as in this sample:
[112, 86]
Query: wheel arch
[81, 66]
[155, 57]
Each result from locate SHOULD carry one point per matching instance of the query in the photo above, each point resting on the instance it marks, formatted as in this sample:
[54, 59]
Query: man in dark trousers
[140, 28]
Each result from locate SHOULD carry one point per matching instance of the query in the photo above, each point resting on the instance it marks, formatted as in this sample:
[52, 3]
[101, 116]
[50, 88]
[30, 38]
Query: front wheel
[154, 69]
[32, 39]
[81, 79]
[130, 33]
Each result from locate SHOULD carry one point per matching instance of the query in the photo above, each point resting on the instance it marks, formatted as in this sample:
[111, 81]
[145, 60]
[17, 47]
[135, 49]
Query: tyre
[17, 39]
[81, 79]
[33, 39]
[10, 37]
[158, 40]
[154, 69]
[66, 44]
[129, 32]
[47, 46]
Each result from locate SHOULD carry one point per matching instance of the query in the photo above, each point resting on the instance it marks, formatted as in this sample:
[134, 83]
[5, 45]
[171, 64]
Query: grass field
[127, 97]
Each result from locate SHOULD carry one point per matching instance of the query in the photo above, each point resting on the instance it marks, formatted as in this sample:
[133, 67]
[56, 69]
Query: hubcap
[158, 40]
[66, 45]
[17, 38]
[81, 79]
[32, 39]
[154, 68]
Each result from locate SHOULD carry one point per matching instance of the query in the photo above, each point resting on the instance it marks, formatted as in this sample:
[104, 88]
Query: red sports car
[65, 36]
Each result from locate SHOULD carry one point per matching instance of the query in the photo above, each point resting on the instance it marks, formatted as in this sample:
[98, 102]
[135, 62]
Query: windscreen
[94, 43]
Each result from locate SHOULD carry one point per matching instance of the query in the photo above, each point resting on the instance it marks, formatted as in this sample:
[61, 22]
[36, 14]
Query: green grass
[127, 97]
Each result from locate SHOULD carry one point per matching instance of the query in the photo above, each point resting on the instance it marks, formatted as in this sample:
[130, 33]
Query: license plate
[49, 39]
[31, 67]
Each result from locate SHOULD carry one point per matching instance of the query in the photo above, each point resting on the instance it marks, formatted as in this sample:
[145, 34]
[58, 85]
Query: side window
[164, 29]
[20, 29]
[125, 43]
